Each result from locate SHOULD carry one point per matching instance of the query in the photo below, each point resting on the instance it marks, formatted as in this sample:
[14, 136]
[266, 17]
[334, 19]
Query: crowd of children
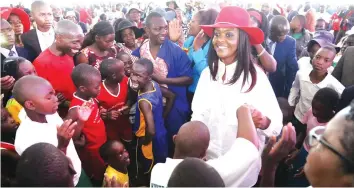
[85, 113]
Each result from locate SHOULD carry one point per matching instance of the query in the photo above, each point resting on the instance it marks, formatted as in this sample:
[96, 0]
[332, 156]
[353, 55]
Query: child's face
[323, 60]
[321, 112]
[139, 77]
[45, 100]
[118, 70]
[26, 68]
[313, 50]
[8, 124]
[128, 64]
[120, 154]
[94, 86]
[295, 23]
[320, 25]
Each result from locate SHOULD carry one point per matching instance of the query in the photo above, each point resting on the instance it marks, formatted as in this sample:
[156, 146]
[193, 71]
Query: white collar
[6, 52]
[229, 70]
[49, 32]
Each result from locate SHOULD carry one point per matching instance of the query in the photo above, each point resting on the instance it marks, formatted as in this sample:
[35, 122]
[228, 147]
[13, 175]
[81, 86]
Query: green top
[297, 35]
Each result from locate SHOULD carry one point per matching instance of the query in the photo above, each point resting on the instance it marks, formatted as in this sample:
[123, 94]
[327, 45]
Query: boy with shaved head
[39, 39]
[42, 123]
[238, 167]
[56, 64]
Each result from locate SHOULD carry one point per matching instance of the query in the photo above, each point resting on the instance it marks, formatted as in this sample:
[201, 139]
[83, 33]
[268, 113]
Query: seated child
[323, 110]
[17, 67]
[113, 98]
[90, 130]
[42, 122]
[149, 122]
[308, 82]
[117, 158]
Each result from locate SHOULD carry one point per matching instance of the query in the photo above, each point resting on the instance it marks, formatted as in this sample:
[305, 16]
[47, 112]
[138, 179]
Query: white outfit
[30, 133]
[45, 39]
[239, 167]
[215, 104]
[304, 90]
[6, 52]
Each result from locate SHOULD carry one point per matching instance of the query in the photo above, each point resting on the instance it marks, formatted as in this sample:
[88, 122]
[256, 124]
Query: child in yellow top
[17, 67]
[114, 154]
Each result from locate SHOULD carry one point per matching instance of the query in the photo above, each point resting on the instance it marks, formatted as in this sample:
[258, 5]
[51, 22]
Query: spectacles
[316, 136]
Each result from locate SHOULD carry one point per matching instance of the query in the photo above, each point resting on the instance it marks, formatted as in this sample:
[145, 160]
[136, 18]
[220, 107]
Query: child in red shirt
[91, 133]
[113, 98]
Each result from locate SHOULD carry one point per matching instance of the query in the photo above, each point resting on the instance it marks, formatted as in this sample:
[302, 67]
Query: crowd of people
[229, 96]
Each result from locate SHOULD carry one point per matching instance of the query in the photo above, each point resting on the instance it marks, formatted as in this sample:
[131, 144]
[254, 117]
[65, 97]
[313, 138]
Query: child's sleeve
[295, 91]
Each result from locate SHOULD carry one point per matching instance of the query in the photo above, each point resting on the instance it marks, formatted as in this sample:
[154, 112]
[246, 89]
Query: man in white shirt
[239, 167]
[39, 39]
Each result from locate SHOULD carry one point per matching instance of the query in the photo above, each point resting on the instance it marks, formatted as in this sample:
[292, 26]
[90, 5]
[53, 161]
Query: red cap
[235, 17]
[6, 11]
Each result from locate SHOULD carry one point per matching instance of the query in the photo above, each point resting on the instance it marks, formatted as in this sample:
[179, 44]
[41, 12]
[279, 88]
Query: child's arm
[246, 127]
[146, 109]
[78, 137]
[170, 99]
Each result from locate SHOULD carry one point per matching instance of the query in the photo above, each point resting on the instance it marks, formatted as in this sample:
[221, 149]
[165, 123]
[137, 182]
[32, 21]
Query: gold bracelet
[262, 52]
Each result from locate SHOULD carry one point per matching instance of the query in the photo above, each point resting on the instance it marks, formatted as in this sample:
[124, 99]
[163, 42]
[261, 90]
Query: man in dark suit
[283, 48]
[8, 48]
[344, 71]
[39, 39]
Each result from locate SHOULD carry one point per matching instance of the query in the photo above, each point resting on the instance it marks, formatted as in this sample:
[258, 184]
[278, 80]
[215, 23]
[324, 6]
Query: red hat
[6, 11]
[235, 17]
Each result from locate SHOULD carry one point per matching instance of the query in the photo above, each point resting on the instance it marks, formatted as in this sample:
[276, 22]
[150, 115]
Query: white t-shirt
[30, 133]
[239, 167]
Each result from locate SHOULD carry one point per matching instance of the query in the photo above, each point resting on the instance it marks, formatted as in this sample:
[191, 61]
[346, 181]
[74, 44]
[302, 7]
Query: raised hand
[174, 30]
[7, 82]
[274, 151]
[199, 41]
[85, 110]
[64, 133]
[259, 120]
[61, 98]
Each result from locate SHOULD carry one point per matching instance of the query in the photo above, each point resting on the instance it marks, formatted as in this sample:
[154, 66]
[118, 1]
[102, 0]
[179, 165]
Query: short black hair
[81, 74]
[320, 20]
[194, 172]
[147, 64]
[105, 67]
[103, 17]
[347, 139]
[327, 97]
[106, 150]
[43, 165]
[302, 20]
[120, 54]
[330, 48]
[151, 16]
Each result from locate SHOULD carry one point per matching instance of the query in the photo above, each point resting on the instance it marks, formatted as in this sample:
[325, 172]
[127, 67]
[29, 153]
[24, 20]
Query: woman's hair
[264, 26]
[11, 66]
[347, 140]
[101, 28]
[243, 57]
[208, 16]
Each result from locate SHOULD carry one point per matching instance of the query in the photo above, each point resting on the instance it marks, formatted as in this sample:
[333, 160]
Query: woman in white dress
[232, 80]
